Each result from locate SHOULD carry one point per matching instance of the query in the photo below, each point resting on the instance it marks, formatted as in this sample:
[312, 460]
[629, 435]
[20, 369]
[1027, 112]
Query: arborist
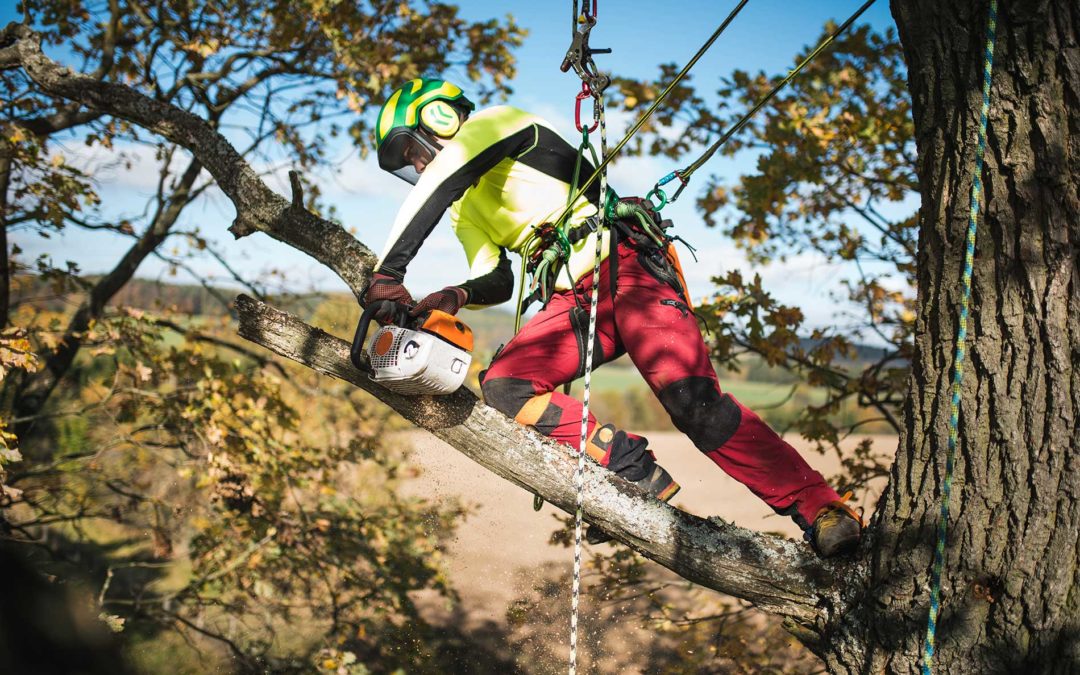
[504, 174]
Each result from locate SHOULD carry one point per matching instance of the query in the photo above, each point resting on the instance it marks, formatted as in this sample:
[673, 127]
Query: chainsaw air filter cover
[433, 359]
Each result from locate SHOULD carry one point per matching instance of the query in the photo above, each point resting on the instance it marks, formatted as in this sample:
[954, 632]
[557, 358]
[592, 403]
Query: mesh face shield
[399, 150]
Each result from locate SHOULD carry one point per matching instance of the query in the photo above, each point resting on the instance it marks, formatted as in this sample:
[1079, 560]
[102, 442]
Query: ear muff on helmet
[418, 113]
[440, 119]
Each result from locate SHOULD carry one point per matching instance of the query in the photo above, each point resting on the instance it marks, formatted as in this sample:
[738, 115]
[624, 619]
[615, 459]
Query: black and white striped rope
[580, 475]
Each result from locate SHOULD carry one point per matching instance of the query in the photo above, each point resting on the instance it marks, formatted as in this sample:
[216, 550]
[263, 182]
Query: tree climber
[504, 173]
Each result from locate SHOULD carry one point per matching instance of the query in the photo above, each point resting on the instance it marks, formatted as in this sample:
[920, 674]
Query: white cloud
[354, 177]
[126, 166]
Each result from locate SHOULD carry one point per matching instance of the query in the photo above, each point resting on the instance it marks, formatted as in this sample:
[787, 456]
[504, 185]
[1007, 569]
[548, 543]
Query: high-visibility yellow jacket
[505, 172]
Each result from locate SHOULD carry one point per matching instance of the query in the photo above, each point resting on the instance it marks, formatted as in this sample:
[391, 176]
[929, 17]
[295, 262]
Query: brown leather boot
[837, 529]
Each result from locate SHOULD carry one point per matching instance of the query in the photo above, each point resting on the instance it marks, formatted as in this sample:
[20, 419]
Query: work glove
[449, 300]
[385, 287]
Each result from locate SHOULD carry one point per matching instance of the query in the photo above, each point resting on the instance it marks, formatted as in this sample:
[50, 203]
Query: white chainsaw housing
[414, 362]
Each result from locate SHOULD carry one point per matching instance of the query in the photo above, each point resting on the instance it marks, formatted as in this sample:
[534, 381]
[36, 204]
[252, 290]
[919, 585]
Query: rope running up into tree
[958, 361]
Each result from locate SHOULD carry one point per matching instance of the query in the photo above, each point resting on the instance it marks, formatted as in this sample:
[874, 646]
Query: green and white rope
[958, 361]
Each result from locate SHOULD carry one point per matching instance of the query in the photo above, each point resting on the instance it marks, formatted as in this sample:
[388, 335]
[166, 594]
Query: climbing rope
[597, 94]
[580, 473]
[961, 336]
[684, 175]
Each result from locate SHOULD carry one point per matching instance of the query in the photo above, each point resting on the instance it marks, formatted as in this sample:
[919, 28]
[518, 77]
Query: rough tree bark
[1011, 589]
[1011, 600]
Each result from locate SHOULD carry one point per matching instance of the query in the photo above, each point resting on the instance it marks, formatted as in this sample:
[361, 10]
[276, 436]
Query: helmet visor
[405, 153]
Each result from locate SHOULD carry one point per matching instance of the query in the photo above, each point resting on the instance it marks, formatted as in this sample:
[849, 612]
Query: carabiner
[664, 181]
[582, 95]
[661, 195]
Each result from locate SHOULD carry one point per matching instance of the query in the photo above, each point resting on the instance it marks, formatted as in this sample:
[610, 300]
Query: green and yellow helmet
[421, 111]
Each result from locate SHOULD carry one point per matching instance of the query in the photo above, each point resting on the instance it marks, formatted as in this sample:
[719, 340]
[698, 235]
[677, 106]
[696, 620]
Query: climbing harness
[546, 252]
[638, 220]
[961, 336]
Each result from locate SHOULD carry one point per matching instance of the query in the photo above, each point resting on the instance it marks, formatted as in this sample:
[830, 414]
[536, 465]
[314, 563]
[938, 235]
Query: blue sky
[766, 36]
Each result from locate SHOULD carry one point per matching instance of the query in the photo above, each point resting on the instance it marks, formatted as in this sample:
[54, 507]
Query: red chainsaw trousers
[649, 320]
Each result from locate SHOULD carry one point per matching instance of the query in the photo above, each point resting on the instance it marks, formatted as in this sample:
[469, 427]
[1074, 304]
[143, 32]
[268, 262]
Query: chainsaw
[414, 355]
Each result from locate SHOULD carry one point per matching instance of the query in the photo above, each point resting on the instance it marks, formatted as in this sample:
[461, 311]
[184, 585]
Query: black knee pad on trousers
[698, 410]
[509, 394]
[506, 394]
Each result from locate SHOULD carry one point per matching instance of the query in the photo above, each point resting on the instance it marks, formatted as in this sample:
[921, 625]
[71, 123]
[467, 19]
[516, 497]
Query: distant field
[751, 394]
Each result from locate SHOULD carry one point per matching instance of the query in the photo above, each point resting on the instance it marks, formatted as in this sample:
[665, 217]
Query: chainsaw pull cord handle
[401, 318]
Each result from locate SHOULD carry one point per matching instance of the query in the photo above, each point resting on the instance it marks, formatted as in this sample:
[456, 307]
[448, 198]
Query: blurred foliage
[207, 504]
[834, 181]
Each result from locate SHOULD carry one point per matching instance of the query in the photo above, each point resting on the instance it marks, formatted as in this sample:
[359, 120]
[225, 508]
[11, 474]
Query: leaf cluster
[213, 505]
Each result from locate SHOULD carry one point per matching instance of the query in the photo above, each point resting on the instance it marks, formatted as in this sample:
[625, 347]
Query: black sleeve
[493, 288]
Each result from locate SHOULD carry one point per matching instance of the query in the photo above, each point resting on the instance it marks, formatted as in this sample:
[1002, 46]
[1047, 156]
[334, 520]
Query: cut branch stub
[297, 190]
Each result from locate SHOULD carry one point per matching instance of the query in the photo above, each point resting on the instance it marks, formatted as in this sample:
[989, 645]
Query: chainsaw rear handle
[401, 318]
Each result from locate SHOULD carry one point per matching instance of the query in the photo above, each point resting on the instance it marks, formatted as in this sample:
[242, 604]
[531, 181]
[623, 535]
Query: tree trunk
[5, 272]
[1010, 590]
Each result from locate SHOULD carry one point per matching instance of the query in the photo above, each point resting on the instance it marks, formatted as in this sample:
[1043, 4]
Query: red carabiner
[582, 95]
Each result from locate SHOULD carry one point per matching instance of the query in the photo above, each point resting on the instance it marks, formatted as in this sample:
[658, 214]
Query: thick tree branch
[776, 575]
